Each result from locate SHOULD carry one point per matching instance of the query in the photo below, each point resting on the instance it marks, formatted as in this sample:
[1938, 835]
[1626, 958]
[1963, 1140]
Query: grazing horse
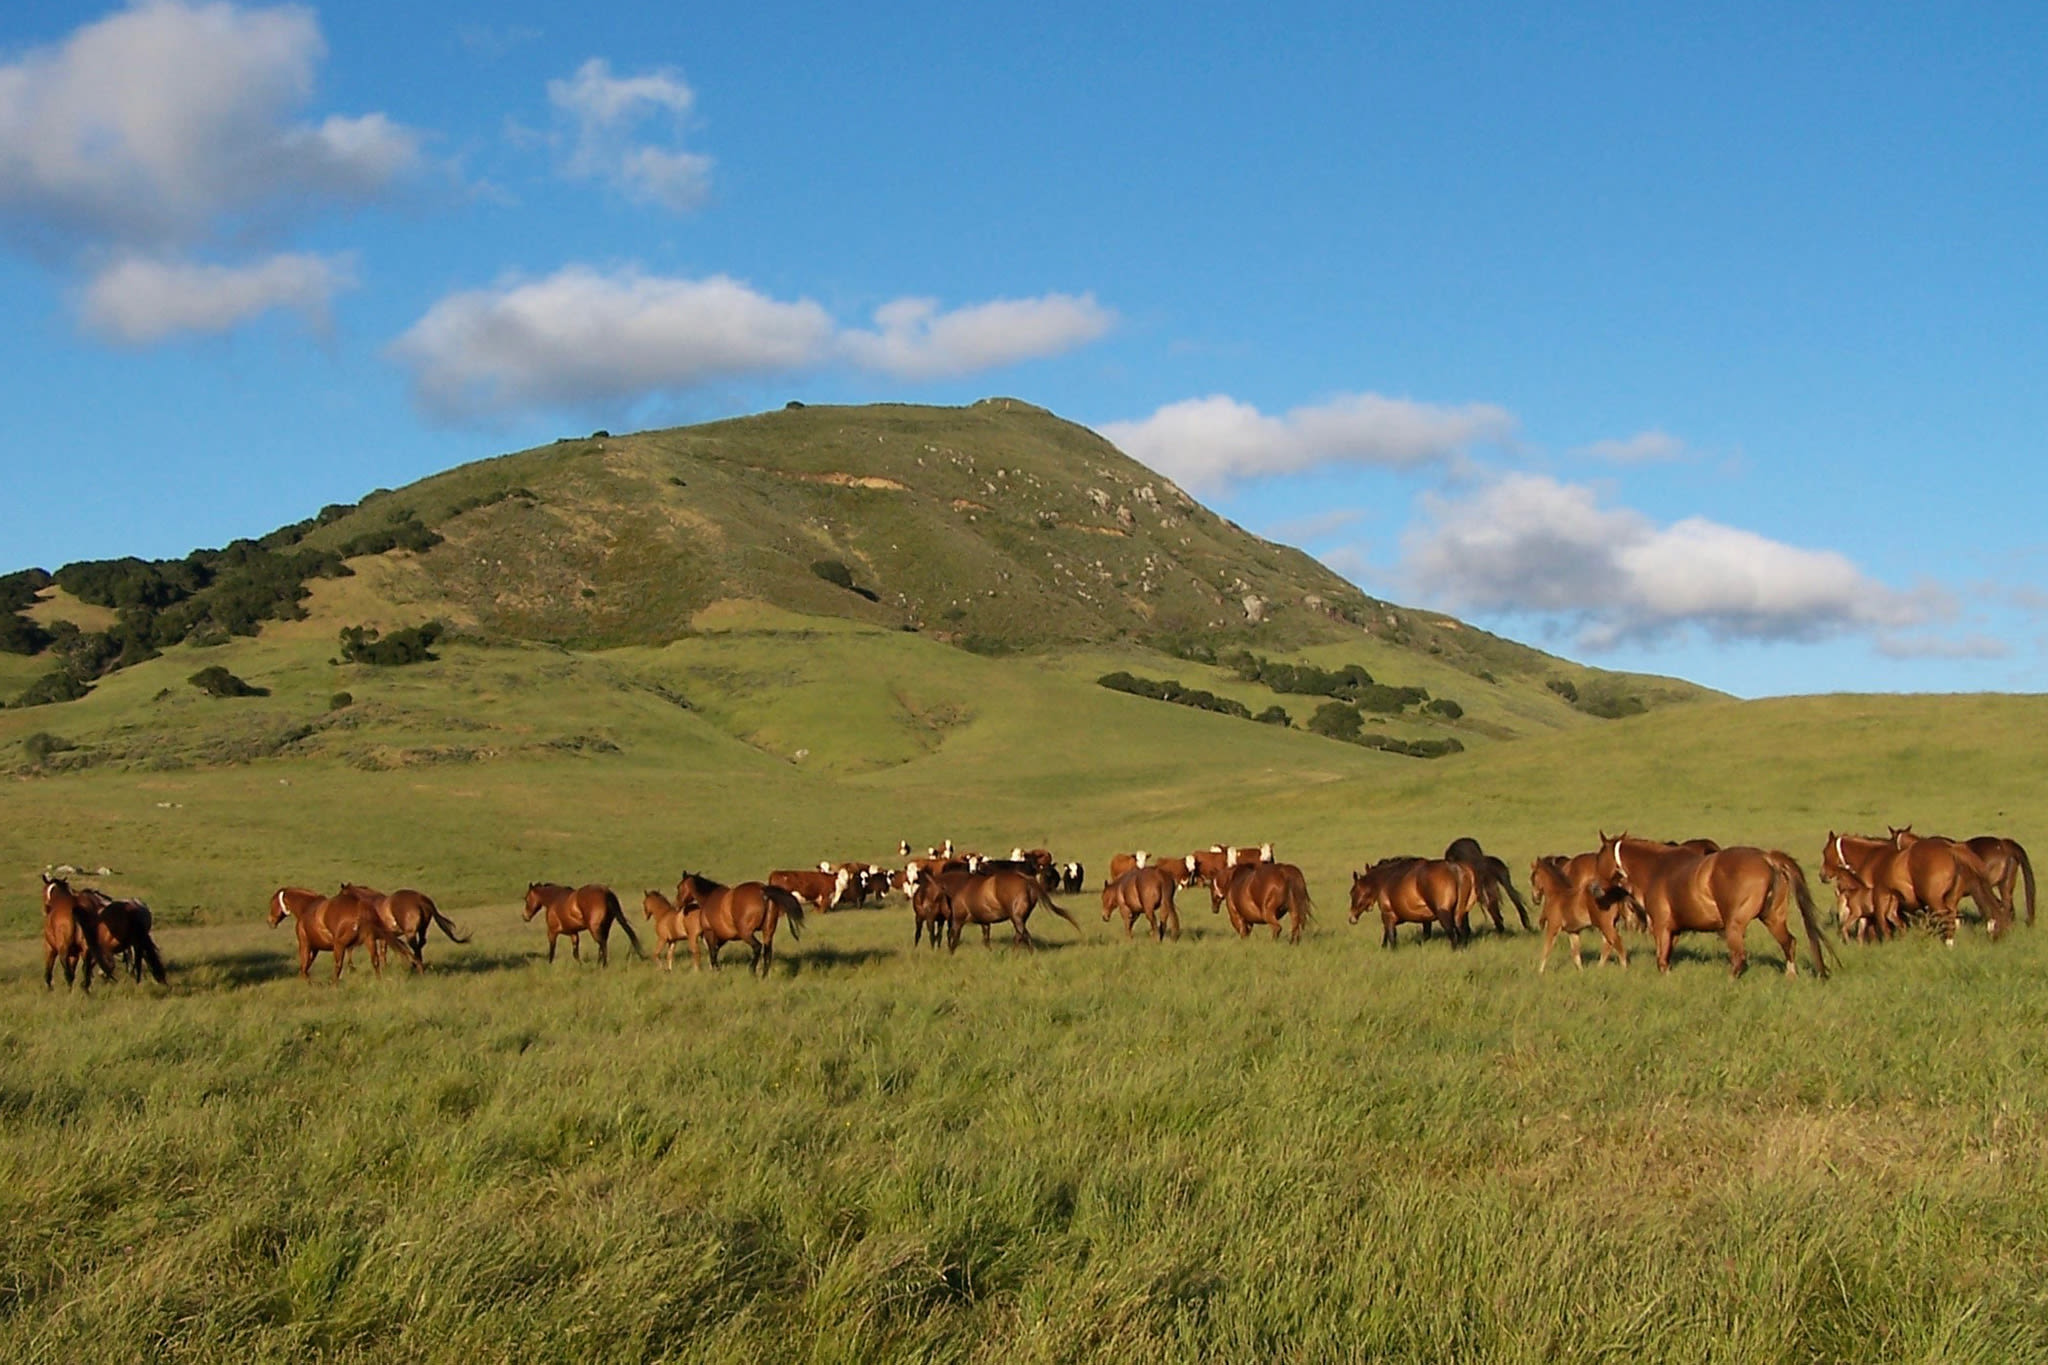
[71, 933]
[1491, 876]
[1573, 899]
[987, 899]
[1146, 891]
[1421, 891]
[124, 934]
[589, 909]
[1682, 890]
[715, 915]
[333, 924]
[408, 914]
[1261, 893]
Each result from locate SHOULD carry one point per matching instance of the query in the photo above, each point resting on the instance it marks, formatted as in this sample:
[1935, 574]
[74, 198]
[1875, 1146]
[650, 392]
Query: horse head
[536, 897]
[1612, 870]
[1903, 836]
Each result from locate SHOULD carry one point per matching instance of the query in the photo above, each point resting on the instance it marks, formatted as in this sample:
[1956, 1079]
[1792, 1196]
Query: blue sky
[1705, 344]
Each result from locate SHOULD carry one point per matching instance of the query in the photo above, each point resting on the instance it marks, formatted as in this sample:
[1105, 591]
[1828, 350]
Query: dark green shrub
[39, 746]
[363, 645]
[340, 701]
[57, 685]
[1564, 689]
[1445, 707]
[834, 572]
[1274, 715]
[216, 681]
[1336, 720]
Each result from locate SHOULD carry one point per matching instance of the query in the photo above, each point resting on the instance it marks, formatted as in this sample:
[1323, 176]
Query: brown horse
[1491, 877]
[716, 915]
[1682, 891]
[1573, 899]
[1933, 874]
[1261, 893]
[71, 934]
[333, 924]
[591, 909]
[987, 899]
[2006, 861]
[1146, 891]
[408, 914]
[124, 934]
[1423, 891]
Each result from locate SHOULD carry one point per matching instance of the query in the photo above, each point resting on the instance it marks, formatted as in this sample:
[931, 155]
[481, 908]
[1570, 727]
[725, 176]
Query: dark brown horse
[1573, 899]
[124, 934]
[987, 899]
[715, 915]
[335, 924]
[1683, 891]
[1490, 875]
[1262, 893]
[1421, 891]
[1146, 891]
[408, 914]
[576, 911]
[2006, 861]
[71, 935]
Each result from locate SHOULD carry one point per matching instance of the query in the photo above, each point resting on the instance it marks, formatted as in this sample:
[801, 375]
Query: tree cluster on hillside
[413, 645]
[18, 634]
[1170, 689]
[1350, 683]
[1343, 721]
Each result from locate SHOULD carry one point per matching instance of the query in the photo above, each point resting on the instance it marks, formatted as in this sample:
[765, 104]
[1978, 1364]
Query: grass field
[1203, 1150]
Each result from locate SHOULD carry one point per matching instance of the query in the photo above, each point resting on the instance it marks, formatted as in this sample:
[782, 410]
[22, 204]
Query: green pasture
[1203, 1150]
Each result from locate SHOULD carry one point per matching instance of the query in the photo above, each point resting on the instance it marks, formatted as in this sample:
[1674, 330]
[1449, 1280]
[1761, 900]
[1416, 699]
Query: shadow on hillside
[236, 970]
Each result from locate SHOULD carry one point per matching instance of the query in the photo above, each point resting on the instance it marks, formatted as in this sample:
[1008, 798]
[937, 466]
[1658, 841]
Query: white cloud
[608, 111]
[581, 336]
[1645, 447]
[165, 122]
[137, 301]
[1205, 443]
[914, 340]
[1530, 544]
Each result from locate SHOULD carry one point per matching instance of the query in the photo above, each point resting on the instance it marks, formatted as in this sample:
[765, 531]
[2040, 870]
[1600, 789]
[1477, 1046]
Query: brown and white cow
[819, 887]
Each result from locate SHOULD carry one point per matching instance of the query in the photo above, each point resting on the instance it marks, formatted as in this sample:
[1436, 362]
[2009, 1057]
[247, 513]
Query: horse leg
[1610, 941]
[603, 934]
[576, 944]
[1172, 918]
[1550, 932]
[1130, 923]
[50, 968]
[1492, 903]
[1738, 955]
[1663, 934]
[551, 943]
[1388, 938]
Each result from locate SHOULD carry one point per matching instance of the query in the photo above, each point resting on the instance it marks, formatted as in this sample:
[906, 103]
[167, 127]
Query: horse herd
[1662, 889]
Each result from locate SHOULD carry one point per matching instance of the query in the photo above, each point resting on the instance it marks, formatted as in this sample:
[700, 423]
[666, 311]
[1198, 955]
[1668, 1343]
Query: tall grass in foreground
[1209, 1150]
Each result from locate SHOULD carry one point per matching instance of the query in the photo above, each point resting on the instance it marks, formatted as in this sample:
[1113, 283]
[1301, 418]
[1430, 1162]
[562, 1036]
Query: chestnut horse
[1934, 874]
[1573, 899]
[408, 914]
[576, 911]
[1146, 891]
[1491, 876]
[71, 933]
[987, 899]
[1261, 893]
[124, 934]
[2005, 860]
[1421, 891]
[715, 915]
[333, 924]
[1682, 891]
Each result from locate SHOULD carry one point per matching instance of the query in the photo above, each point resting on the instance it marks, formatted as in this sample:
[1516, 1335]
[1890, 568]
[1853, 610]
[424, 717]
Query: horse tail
[2026, 870]
[145, 946]
[442, 922]
[1785, 865]
[618, 914]
[1297, 891]
[792, 910]
[1058, 909]
[1507, 883]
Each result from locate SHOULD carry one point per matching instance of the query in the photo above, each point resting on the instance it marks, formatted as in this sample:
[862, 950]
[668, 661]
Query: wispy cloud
[609, 114]
[1645, 447]
[1209, 443]
[137, 301]
[915, 339]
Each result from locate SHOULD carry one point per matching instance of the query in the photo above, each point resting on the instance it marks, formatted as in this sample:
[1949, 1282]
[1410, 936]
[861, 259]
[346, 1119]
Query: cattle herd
[1882, 887]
